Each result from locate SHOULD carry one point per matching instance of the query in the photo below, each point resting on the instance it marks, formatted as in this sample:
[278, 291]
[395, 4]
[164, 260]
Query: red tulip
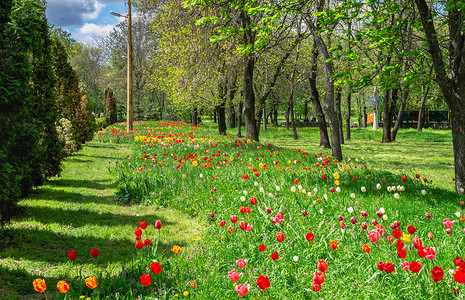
[72, 255]
[324, 176]
[381, 266]
[404, 179]
[397, 233]
[241, 263]
[158, 224]
[399, 244]
[242, 289]
[253, 200]
[458, 261]
[322, 265]
[422, 252]
[143, 225]
[233, 218]
[222, 223]
[263, 282]
[139, 244]
[138, 231]
[437, 273]
[402, 253]
[417, 176]
[94, 252]
[243, 225]
[319, 277]
[415, 266]
[212, 215]
[279, 237]
[411, 229]
[417, 242]
[447, 223]
[373, 235]
[262, 247]
[242, 210]
[389, 267]
[145, 279]
[316, 287]
[430, 253]
[274, 256]
[155, 267]
[390, 239]
[233, 275]
[304, 213]
[459, 276]
[310, 236]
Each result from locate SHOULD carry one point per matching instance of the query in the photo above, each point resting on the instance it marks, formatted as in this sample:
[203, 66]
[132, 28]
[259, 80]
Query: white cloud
[89, 31]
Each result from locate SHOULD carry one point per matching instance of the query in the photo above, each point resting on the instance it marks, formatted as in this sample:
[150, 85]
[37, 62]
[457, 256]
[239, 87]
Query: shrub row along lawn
[277, 222]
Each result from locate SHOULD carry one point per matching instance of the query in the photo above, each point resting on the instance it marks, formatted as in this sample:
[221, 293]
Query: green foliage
[73, 102]
[30, 150]
[110, 108]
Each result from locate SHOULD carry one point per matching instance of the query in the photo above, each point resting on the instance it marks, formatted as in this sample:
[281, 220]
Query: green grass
[78, 211]
[428, 153]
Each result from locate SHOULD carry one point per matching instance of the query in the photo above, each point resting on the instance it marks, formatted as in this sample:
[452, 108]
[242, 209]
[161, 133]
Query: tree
[450, 74]
[30, 151]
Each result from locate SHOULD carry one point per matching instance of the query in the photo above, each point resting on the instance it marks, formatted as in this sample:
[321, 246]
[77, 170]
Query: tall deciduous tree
[450, 74]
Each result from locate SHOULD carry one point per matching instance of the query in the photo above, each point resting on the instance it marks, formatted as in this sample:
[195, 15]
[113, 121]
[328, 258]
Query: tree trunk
[421, 118]
[251, 131]
[315, 97]
[194, 116]
[232, 117]
[329, 97]
[452, 84]
[365, 116]
[375, 108]
[214, 117]
[306, 111]
[400, 114]
[387, 117]
[239, 119]
[265, 118]
[286, 116]
[349, 98]
[275, 116]
[220, 109]
[291, 95]
[337, 105]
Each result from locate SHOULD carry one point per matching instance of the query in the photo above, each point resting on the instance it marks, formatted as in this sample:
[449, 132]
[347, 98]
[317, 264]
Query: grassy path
[77, 211]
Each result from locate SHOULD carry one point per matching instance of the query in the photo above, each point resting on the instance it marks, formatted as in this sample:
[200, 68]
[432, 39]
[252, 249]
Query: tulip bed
[281, 223]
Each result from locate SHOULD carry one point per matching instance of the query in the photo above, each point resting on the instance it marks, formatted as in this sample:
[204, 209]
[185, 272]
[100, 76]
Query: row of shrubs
[45, 114]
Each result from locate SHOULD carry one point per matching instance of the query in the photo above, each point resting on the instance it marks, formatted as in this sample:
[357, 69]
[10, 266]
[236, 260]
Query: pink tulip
[242, 289]
[430, 253]
[449, 231]
[233, 275]
[405, 265]
[304, 213]
[212, 215]
[233, 219]
[339, 218]
[249, 227]
[353, 220]
[373, 235]
[158, 224]
[374, 222]
[241, 263]
[379, 214]
[428, 215]
[364, 225]
[364, 213]
[447, 222]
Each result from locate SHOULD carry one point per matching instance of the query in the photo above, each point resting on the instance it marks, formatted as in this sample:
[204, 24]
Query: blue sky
[85, 19]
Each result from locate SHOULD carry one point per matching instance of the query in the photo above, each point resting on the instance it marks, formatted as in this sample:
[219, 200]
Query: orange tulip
[333, 245]
[366, 248]
[39, 285]
[62, 286]
[91, 282]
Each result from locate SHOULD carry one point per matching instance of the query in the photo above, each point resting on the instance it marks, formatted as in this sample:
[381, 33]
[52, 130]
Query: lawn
[223, 200]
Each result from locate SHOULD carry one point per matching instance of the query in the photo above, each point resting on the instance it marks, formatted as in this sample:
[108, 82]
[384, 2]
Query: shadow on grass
[76, 183]
[45, 193]
[48, 215]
